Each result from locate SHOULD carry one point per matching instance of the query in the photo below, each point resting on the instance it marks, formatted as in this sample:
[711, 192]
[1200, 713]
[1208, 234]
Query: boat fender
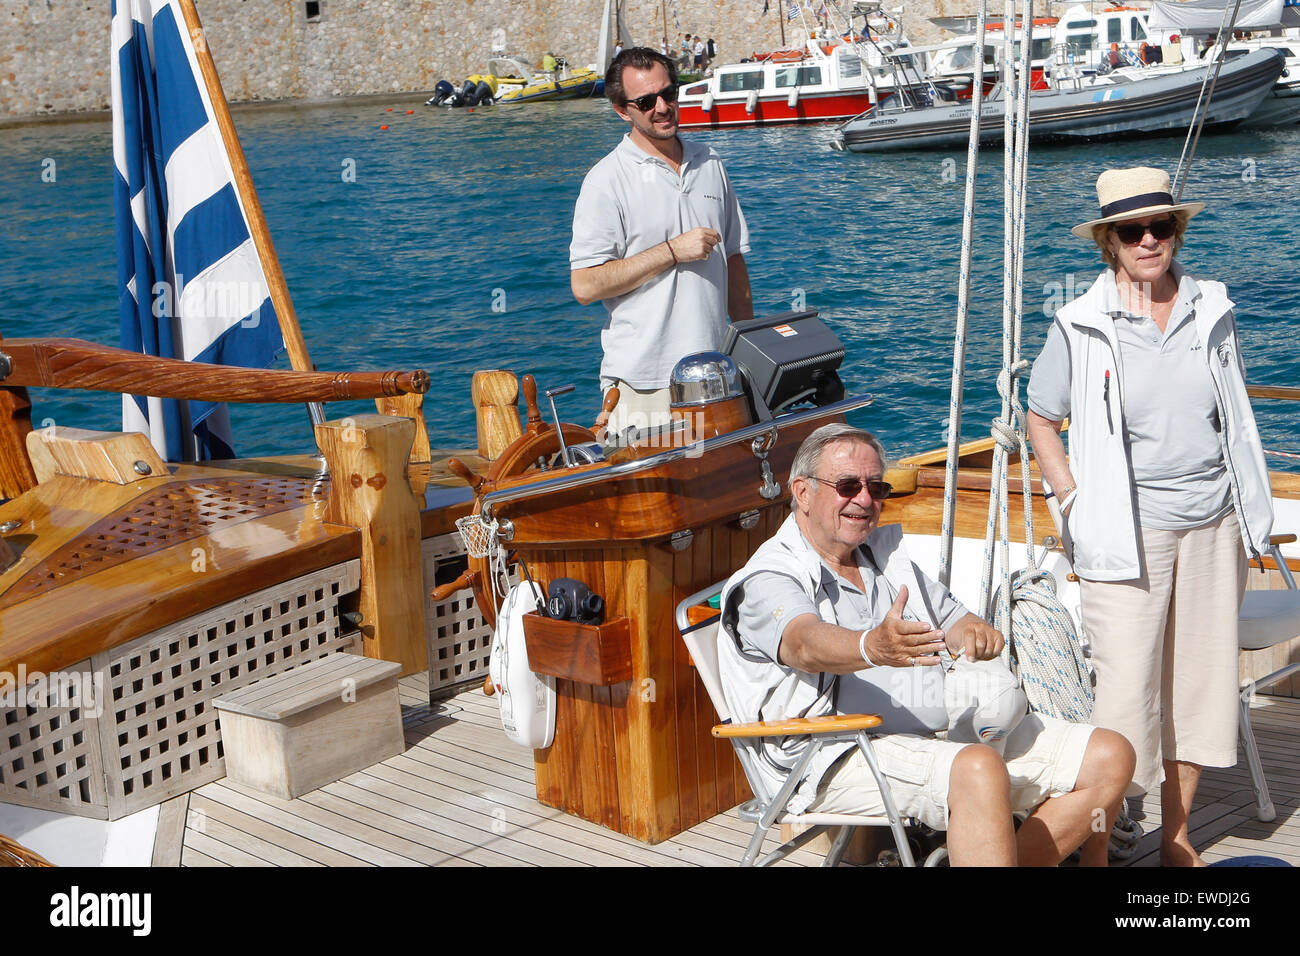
[792, 100]
[527, 700]
[485, 94]
[751, 101]
[707, 103]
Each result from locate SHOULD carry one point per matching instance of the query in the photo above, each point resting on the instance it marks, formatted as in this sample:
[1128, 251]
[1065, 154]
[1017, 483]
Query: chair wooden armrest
[800, 725]
[1276, 539]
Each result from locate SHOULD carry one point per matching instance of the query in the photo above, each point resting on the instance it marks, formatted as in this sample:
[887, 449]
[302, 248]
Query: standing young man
[659, 237]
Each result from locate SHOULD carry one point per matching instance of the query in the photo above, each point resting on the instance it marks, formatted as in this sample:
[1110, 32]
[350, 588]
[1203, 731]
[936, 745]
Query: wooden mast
[293, 339]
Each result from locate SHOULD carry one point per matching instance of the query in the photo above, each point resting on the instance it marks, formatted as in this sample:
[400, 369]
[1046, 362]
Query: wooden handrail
[831, 724]
[73, 363]
[1283, 392]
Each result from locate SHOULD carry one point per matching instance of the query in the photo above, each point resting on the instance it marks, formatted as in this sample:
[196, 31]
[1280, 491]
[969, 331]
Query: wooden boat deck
[462, 795]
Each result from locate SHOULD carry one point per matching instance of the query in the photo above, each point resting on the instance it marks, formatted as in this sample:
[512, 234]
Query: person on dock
[659, 236]
[1164, 492]
[831, 599]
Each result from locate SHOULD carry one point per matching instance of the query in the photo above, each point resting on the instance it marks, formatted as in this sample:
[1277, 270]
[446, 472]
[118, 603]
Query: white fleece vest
[1101, 526]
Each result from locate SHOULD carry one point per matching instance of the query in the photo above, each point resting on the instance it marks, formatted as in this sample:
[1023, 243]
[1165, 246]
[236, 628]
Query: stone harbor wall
[54, 54]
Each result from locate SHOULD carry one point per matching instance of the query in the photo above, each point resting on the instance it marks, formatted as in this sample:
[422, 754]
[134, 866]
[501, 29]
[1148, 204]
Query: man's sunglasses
[850, 488]
[1130, 233]
[646, 103]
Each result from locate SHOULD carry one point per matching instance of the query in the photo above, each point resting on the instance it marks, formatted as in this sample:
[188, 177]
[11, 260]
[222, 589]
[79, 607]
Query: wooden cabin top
[100, 563]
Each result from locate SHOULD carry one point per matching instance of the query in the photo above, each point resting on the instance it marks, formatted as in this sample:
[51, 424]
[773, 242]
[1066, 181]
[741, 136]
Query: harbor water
[442, 242]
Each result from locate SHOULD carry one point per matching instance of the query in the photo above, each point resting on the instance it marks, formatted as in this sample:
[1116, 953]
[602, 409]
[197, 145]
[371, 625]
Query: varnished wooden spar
[294, 342]
[73, 363]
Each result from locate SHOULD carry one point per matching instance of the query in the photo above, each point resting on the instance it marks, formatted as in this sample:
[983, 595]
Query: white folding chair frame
[766, 811]
[1265, 810]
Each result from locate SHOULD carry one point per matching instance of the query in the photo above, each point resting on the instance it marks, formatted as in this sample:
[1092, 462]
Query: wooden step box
[292, 733]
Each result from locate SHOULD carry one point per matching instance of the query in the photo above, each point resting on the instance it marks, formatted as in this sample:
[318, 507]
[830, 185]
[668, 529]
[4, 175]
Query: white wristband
[862, 648]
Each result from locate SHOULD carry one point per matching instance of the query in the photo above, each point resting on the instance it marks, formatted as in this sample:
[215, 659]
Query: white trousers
[1164, 648]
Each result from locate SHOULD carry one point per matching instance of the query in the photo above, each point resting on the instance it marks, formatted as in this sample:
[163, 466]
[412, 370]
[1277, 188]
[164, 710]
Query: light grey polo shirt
[1171, 417]
[910, 699]
[631, 201]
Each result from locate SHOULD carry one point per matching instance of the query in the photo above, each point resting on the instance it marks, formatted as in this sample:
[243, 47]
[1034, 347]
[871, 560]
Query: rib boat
[1077, 110]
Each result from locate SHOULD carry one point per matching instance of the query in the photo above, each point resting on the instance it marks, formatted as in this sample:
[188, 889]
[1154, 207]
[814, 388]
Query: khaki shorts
[1043, 757]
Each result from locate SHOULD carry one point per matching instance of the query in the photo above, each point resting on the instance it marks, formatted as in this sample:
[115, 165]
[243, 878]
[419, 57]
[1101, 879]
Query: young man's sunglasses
[850, 488]
[646, 103]
[1130, 233]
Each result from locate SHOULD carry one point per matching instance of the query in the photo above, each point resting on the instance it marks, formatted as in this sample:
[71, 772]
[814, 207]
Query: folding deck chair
[1267, 618]
[698, 624]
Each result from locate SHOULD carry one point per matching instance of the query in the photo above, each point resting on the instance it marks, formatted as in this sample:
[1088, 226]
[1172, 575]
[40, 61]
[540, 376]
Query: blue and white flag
[190, 283]
[794, 10]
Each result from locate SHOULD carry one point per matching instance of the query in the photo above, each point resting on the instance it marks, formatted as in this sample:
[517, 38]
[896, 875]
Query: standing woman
[1164, 492]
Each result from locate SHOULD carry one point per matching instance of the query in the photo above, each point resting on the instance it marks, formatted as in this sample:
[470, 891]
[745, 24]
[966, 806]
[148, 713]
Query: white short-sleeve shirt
[631, 201]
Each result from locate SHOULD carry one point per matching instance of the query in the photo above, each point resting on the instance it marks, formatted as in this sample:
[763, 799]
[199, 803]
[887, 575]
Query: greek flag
[794, 10]
[190, 283]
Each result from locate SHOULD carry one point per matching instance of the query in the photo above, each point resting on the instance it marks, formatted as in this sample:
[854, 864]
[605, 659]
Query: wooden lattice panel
[160, 733]
[49, 755]
[457, 638]
[170, 514]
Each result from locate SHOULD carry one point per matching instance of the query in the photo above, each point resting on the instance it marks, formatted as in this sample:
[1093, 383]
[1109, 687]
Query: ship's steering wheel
[538, 444]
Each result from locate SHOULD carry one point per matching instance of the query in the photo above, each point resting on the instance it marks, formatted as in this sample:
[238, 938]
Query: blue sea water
[448, 250]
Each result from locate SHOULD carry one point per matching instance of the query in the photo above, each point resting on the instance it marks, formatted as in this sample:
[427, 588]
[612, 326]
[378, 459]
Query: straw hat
[1132, 194]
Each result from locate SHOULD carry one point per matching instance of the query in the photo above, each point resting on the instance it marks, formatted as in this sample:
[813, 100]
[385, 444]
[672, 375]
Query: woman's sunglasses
[850, 488]
[1130, 233]
[646, 103]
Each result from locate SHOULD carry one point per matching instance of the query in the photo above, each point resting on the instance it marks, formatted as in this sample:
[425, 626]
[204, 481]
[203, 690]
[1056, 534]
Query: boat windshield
[798, 76]
[1040, 49]
[515, 66]
[730, 82]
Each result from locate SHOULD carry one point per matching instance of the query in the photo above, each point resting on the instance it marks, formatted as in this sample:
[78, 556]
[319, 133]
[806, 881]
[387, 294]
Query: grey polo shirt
[1171, 418]
[631, 201]
[910, 699]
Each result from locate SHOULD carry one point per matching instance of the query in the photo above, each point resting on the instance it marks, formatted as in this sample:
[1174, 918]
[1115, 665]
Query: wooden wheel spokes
[539, 442]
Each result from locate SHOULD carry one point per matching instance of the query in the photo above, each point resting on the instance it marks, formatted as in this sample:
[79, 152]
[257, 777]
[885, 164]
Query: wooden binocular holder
[599, 654]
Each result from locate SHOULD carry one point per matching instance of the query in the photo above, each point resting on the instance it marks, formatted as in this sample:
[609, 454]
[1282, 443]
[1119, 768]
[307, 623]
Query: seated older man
[831, 616]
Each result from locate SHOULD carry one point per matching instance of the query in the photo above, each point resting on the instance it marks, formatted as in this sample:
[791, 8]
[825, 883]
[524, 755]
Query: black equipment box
[787, 358]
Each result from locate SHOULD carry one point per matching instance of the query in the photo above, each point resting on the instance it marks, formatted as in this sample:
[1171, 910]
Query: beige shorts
[1043, 757]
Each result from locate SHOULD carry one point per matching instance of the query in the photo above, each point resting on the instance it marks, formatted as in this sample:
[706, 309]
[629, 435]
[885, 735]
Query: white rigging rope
[1042, 646]
[1194, 131]
[947, 527]
[1008, 428]
[1046, 654]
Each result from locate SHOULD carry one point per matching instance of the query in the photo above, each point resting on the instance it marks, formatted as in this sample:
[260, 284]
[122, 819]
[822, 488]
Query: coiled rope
[1046, 653]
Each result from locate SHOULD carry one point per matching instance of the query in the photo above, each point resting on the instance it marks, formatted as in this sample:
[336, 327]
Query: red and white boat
[831, 78]
[952, 63]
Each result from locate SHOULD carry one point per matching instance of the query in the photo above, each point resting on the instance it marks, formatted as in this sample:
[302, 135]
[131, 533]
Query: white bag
[985, 702]
[527, 700]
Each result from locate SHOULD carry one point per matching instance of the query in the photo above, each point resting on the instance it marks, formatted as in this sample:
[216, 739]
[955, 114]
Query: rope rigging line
[1008, 430]
[963, 308]
[1043, 647]
[1194, 131]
